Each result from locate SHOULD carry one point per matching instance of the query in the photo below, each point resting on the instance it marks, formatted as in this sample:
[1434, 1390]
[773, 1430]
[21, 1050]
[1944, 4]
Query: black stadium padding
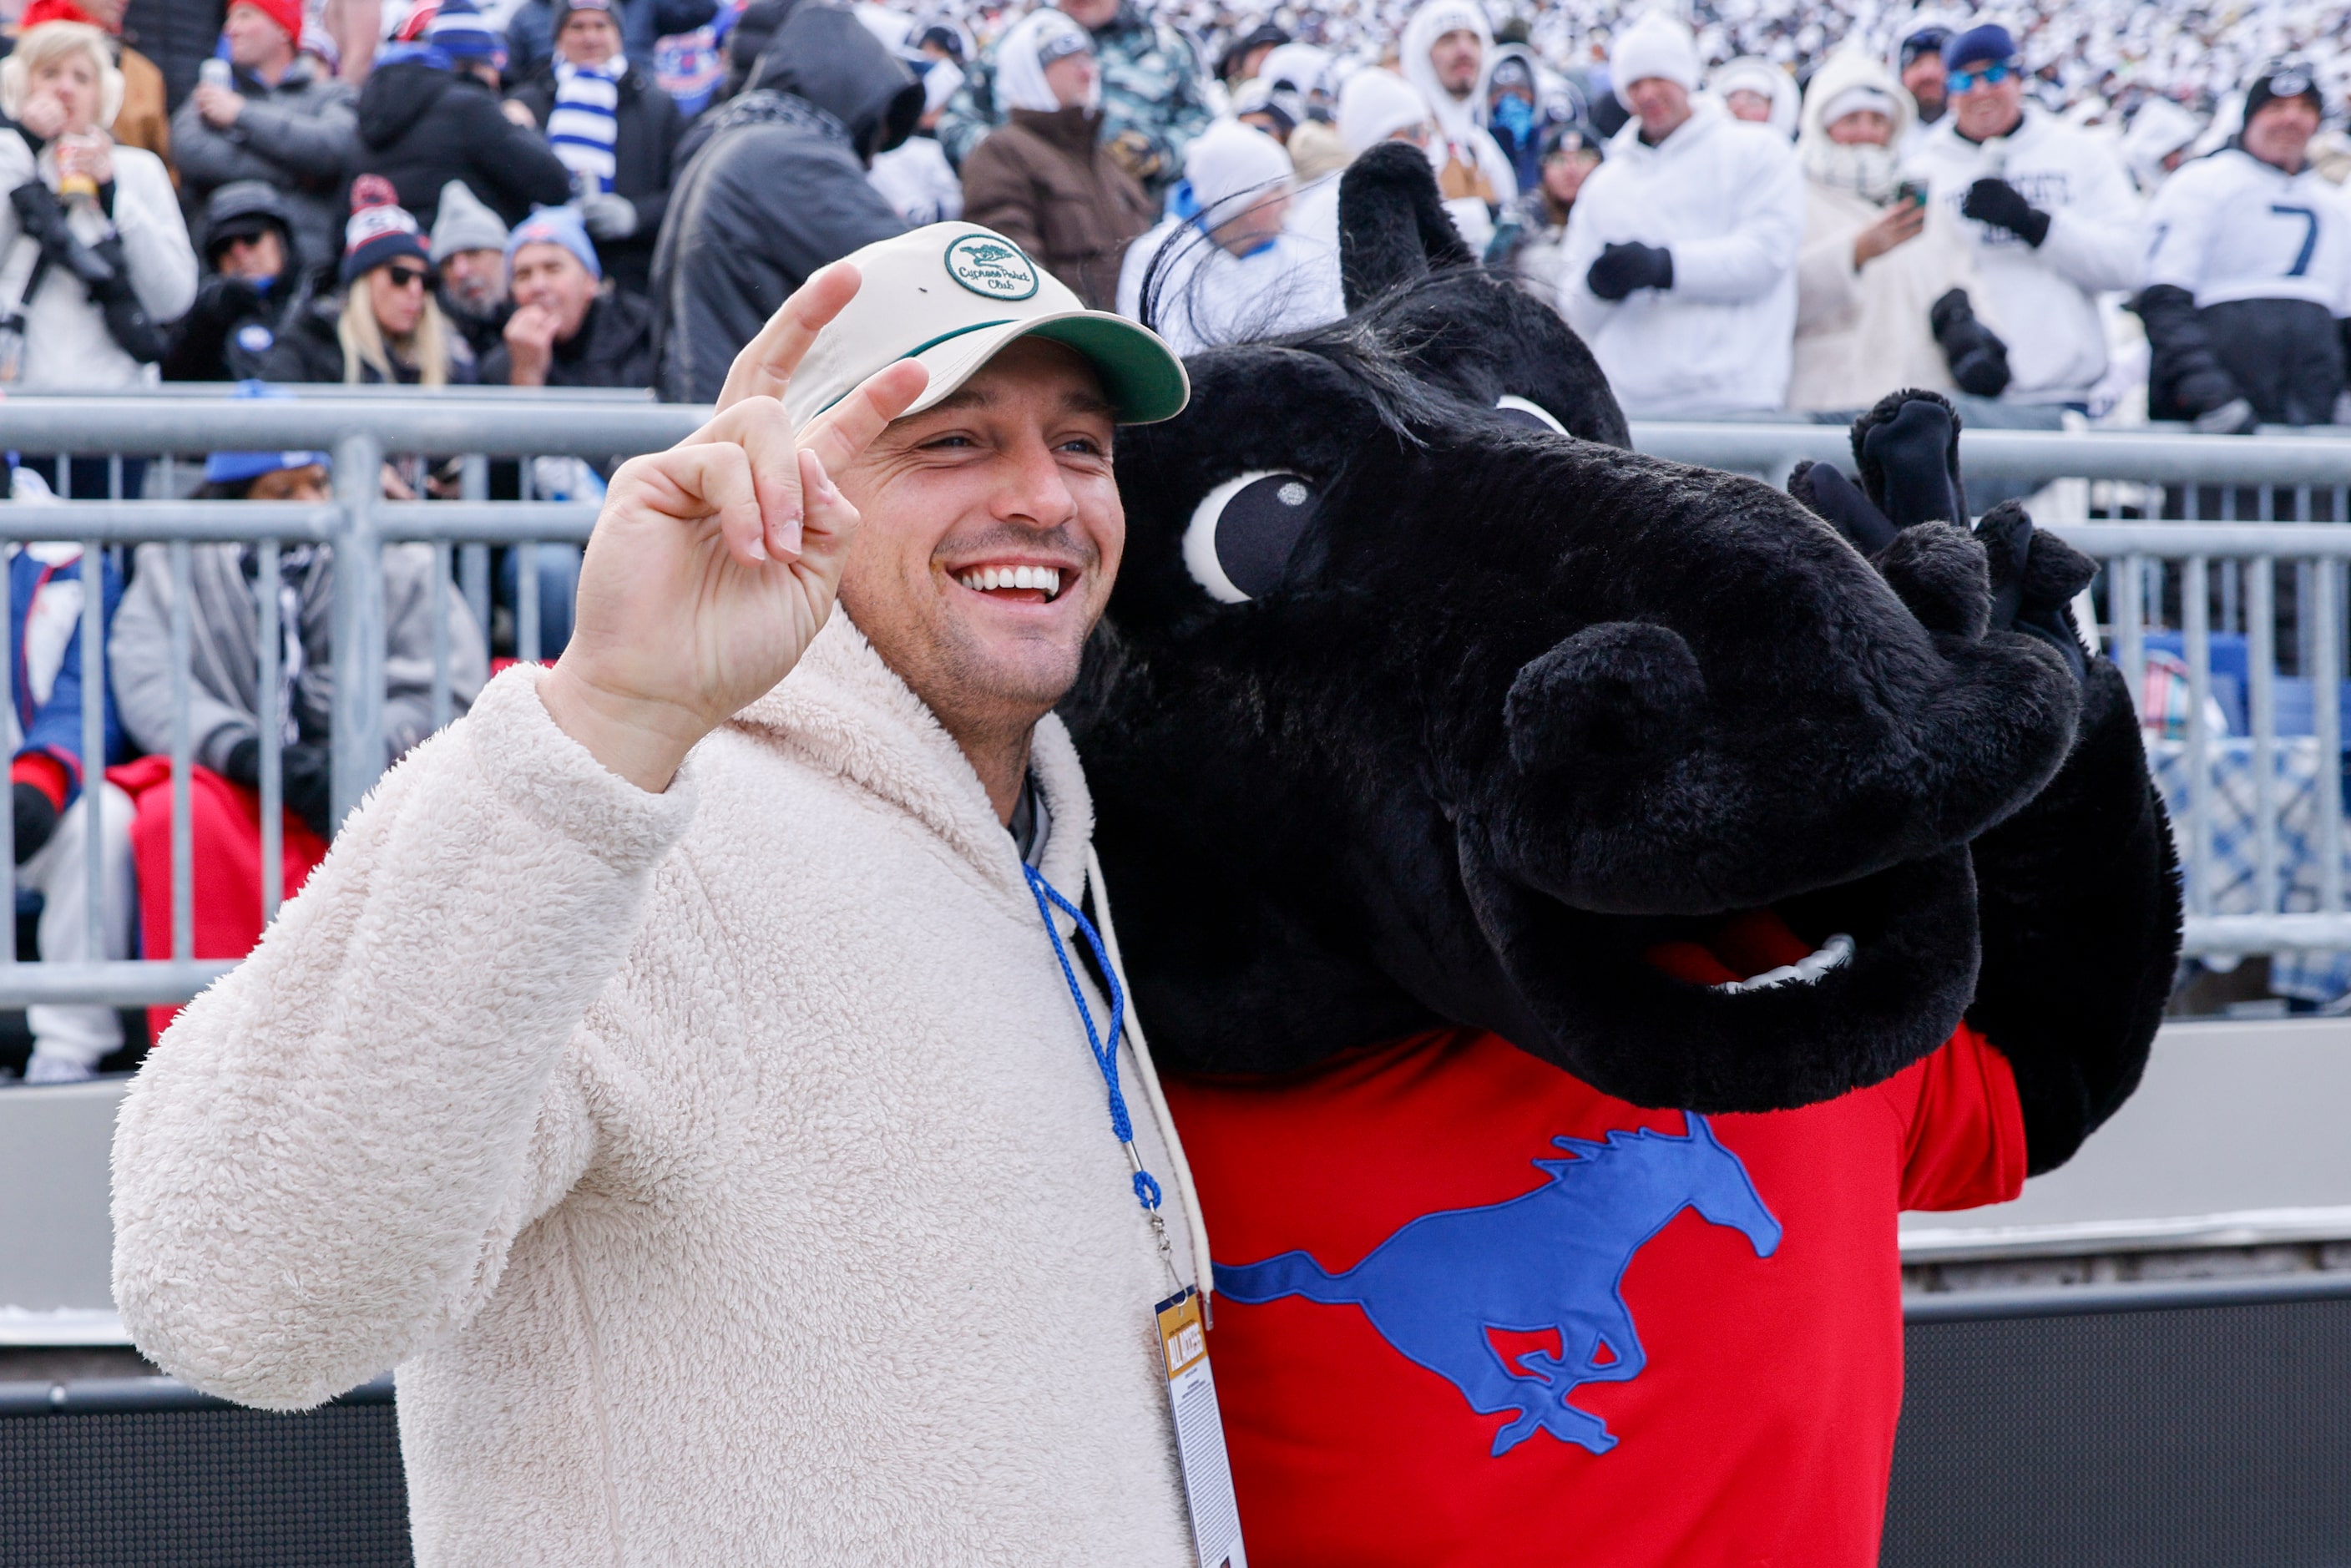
[2194, 1426]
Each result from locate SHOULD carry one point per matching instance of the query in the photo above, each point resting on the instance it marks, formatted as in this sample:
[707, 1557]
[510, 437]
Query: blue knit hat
[1987, 45]
[459, 32]
[554, 226]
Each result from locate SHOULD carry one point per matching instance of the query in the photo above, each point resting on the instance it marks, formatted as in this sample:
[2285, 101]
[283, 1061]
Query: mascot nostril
[1941, 576]
[1615, 693]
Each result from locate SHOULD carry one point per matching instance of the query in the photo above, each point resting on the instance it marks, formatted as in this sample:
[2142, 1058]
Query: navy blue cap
[1987, 45]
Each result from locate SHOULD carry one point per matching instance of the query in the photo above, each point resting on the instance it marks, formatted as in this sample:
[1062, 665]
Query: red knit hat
[286, 14]
[41, 11]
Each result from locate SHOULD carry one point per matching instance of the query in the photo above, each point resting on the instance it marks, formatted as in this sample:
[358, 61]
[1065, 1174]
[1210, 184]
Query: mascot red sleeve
[1579, 899]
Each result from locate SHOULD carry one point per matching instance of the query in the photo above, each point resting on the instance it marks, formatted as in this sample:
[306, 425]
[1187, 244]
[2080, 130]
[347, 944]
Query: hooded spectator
[1918, 67]
[1043, 179]
[469, 255]
[2051, 217]
[255, 284]
[93, 280]
[282, 121]
[143, 121]
[533, 28]
[1529, 240]
[2162, 136]
[1679, 264]
[613, 129]
[567, 330]
[1314, 145]
[429, 114]
[385, 327]
[50, 808]
[1232, 272]
[1884, 286]
[1155, 96]
[178, 36]
[2250, 273]
[914, 177]
[775, 189]
[1516, 116]
[1447, 49]
[1245, 55]
[1757, 90]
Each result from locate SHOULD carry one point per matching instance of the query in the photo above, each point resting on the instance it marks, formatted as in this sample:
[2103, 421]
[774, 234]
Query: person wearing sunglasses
[2048, 211]
[387, 327]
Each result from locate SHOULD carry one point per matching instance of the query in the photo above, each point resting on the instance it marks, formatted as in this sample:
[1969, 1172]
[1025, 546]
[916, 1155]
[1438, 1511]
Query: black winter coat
[645, 136]
[310, 349]
[422, 127]
[614, 347]
[231, 331]
[178, 35]
[775, 188]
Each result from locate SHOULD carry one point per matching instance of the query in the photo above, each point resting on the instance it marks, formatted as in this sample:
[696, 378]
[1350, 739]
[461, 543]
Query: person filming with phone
[1886, 292]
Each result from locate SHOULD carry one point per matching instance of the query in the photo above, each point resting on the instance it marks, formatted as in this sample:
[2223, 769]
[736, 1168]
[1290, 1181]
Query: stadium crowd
[1772, 207]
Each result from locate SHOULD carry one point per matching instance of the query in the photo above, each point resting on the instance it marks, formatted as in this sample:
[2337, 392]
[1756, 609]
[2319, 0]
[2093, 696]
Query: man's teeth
[1832, 954]
[980, 579]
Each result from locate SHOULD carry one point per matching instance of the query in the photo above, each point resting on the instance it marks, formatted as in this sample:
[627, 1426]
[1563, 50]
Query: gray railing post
[359, 634]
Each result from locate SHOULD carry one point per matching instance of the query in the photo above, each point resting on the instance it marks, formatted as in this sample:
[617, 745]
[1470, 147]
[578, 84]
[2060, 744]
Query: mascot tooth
[1578, 900]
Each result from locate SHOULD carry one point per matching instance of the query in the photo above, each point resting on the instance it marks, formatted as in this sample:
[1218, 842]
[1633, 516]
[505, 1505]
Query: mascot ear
[1393, 227]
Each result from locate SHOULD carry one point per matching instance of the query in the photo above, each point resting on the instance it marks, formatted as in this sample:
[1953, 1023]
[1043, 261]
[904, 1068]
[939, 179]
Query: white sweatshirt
[2045, 298]
[2231, 227]
[66, 345]
[724, 1170]
[1727, 198]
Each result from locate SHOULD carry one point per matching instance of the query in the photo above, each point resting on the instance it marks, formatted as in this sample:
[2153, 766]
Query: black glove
[1621, 269]
[308, 773]
[2003, 206]
[1979, 359]
[37, 819]
[127, 321]
[38, 212]
[243, 764]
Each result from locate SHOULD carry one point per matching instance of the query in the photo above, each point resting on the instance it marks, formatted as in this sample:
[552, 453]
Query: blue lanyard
[1146, 1187]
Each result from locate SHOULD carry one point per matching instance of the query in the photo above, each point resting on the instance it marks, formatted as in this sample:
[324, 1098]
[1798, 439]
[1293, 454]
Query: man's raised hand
[715, 563]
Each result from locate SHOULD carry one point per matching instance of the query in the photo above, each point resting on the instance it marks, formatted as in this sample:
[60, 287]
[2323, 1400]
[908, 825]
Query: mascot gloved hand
[2077, 893]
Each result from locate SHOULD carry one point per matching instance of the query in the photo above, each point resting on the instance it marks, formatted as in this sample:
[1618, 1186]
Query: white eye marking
[1273, 509]
[1527, 411]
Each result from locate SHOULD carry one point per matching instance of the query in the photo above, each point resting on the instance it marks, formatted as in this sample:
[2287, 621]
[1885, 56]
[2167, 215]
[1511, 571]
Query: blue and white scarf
[584, 121]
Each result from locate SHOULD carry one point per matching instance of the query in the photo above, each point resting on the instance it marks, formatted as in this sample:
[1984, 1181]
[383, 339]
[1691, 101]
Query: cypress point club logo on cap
[992, 267]
[991, 293]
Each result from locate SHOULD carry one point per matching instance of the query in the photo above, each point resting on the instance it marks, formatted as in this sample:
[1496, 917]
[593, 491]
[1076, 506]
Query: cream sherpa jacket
[725, 1171]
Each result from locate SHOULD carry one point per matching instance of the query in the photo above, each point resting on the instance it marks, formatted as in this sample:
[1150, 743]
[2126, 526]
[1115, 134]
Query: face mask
[1515, 115]
[1867, 170]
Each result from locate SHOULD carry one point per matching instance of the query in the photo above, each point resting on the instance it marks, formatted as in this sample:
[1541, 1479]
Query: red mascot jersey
[1472, 1312]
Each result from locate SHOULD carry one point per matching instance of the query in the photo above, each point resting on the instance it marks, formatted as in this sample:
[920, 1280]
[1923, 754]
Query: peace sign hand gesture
[714, 564]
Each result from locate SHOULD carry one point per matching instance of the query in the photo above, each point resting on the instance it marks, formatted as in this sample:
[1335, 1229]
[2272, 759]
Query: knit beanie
[1374, 105]
[1655, 46]
[41, 11]
[380, 230]
[1230, 167]
[2283, 78]
[1986, 45]
[286, 14]
[463, 34]
[465, 222]
[554, 226]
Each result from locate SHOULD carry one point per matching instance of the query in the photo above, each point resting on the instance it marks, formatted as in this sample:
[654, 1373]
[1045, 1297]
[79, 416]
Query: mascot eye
[1239, 539]
[1528, 412]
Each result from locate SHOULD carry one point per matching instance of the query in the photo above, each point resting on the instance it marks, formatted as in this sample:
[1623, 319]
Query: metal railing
[2149, 566]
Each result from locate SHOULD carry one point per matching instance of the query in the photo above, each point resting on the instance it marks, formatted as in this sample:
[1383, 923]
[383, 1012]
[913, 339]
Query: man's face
[1924, 78]
[1659, 104]
[1861, 128]
[1986, 107]
[1089, 14]
[1745, 103]
[256, 258]
[1072, 78]
[589, 37]
[254, 39]
[474, 278]
[1247, 231]
[1011, 475]
[551, 277]
[2279, 132]
[1455, 56]
[307, 484]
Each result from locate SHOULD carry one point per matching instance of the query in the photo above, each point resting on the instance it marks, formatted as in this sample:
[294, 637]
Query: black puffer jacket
[2284, 357]
[647, 132]
[614, 347]
[774, 189]
[422, 126]
[310, 349]
[232, 330]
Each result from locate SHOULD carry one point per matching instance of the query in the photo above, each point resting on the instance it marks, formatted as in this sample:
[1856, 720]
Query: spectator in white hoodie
[1884, 286]
[1447, 50]
[2048, 209]
[1759, 91]
[1679, 266]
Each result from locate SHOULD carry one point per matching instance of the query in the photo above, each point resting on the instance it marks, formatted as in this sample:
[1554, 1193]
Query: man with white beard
[1447, 50]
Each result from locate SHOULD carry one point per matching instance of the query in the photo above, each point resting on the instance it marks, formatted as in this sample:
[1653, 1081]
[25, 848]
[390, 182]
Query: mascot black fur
[1476, 788]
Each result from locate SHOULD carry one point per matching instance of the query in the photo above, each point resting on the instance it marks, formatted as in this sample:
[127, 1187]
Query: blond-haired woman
[386, 327]
[94, 258]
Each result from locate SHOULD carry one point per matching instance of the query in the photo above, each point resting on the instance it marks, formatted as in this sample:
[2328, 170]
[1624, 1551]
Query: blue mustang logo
[1553, 1258]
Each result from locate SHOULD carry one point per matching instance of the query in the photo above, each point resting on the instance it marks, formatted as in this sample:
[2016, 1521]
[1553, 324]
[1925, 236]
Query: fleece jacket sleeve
[322, 1167]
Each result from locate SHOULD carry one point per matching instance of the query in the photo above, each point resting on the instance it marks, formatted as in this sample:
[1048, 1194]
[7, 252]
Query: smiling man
[671, 1072]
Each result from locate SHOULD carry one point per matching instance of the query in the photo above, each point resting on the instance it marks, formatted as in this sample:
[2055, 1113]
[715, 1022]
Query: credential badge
[991, 267]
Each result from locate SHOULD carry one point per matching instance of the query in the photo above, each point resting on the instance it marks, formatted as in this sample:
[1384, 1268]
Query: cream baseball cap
[950, 296]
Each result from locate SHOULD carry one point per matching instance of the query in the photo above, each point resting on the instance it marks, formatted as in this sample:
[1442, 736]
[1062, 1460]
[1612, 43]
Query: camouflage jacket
[1154, 99]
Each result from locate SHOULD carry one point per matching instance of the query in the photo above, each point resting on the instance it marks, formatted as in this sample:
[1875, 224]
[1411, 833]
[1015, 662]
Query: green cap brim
[1142, 375]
